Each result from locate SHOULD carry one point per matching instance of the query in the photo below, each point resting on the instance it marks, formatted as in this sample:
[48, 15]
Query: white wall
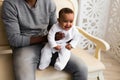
[101, 18]
[93, 15]
[113, 29]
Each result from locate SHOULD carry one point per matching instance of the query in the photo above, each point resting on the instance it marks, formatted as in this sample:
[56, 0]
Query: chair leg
[100, 76]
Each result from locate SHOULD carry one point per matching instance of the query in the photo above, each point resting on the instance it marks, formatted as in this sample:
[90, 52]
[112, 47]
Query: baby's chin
[66, 29]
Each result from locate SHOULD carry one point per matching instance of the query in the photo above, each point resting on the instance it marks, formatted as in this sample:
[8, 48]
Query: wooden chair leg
[100, 76]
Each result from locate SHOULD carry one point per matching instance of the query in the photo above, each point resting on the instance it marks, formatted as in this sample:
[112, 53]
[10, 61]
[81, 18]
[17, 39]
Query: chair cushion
[52, 74]
[92, 63]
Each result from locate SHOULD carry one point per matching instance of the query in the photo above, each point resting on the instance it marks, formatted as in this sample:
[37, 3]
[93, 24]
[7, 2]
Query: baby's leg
[63, 58]
[46, 55]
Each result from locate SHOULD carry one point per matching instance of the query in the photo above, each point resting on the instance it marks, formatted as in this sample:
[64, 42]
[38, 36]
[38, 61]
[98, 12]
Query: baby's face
[66, 21]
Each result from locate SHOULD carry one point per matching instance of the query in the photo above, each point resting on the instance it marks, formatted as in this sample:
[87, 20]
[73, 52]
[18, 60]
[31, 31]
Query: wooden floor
[112, 71]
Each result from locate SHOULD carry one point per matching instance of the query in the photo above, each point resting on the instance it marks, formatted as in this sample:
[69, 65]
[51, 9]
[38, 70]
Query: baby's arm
[55, 35]
[58, 47]
[75, 38]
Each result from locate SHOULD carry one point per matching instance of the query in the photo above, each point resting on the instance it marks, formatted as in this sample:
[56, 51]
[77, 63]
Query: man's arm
[10, 19]
[43, 39]
[38, 39]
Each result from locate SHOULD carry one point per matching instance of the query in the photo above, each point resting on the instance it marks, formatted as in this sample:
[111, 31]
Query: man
[27, 23]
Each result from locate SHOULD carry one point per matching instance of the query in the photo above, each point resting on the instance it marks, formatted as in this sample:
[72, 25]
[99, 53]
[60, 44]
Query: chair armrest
[5, 50]
[99, 43]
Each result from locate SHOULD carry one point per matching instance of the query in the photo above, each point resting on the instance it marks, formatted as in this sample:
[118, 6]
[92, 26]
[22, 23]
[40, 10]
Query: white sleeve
[75, 38]
[51, 36]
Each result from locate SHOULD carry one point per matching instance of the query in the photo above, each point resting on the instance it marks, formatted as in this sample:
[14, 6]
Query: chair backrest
[59, 3]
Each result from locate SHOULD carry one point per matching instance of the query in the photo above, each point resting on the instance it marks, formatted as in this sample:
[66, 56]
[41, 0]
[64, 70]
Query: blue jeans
[26, 60]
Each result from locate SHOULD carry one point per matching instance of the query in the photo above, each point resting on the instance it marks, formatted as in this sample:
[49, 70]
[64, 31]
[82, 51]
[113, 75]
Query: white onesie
[64, 53]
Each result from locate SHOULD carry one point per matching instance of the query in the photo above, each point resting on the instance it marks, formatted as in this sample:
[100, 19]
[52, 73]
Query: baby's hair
[65, 11]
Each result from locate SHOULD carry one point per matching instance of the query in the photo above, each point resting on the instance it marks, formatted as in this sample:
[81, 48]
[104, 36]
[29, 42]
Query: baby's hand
[68, 46]
[58, 47]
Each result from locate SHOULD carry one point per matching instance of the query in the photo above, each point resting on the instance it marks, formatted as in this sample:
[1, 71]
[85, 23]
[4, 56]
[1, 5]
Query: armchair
[94, 64]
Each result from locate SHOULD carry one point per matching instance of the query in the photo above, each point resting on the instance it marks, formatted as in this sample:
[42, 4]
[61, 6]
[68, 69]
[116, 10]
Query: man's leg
[25, 61]
[77, 68]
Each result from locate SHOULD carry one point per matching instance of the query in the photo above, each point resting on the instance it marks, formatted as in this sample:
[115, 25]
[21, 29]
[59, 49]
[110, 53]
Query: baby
[63, 46]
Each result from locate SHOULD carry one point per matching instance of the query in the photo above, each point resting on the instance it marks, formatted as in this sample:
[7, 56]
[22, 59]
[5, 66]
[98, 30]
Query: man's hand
[59, 36]
[38, 39]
